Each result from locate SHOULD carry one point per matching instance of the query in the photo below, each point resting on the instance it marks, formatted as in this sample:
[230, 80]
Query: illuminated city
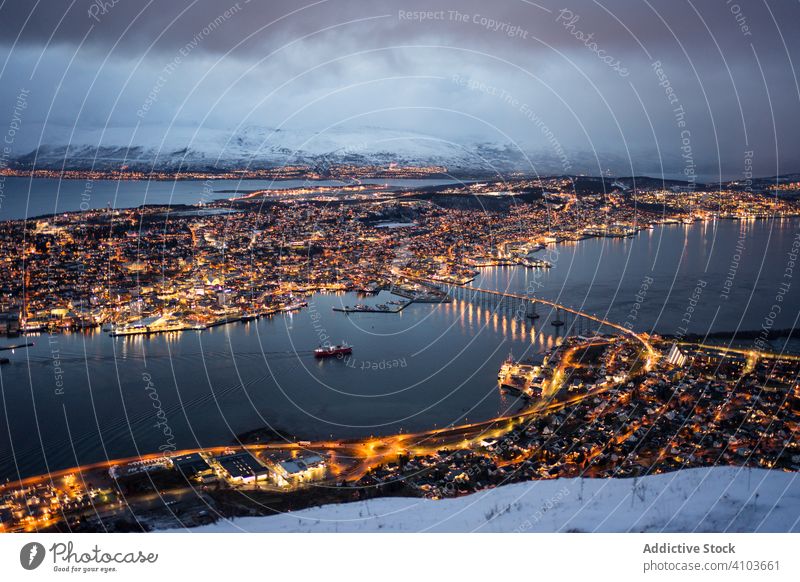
[431, 268]
[606, 401]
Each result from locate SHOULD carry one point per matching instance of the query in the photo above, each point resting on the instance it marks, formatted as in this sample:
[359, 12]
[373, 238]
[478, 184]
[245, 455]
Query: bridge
[525, 305]
[373, 451]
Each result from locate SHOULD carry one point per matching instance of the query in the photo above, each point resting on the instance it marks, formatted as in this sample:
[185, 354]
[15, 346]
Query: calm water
[23, 197]
[429, 366]
[735, 270]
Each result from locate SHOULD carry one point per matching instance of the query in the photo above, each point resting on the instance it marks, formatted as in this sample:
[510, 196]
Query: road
[743, 352]
[373, 452]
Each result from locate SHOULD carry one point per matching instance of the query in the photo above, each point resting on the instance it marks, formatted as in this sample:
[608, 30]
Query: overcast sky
[579, 75]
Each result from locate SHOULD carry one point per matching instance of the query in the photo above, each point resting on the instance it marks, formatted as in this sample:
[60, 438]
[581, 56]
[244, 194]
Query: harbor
[166, 324]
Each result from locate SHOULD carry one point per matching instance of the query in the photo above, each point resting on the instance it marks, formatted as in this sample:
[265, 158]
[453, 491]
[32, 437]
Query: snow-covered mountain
[718, 499]
[146, 147]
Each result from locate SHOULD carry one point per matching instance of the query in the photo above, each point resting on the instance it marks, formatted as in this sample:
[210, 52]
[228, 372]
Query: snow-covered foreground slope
[705, 500]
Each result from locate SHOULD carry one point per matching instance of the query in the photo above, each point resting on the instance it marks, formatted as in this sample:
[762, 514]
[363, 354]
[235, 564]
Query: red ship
[333, 351]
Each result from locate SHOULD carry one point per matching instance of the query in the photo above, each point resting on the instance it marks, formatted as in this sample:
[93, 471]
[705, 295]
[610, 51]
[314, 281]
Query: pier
[383, 308]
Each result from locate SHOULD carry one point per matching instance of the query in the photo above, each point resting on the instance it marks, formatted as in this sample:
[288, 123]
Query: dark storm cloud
[575, 75]
[133, 25]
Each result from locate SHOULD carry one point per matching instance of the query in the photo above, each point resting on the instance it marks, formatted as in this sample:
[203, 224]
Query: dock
[383, 308]
[526, 380]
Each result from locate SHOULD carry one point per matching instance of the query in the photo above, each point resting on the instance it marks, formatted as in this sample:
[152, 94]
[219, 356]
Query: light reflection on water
[230, 379]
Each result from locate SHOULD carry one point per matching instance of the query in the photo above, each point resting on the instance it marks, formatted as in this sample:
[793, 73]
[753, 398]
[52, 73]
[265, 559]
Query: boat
[34, 328]
[148, 325]
[13, 347]
[536, 263]
[333, 351]
[506, 366]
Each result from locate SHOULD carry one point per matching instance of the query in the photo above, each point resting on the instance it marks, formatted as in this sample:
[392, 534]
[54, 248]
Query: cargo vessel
[333, 351]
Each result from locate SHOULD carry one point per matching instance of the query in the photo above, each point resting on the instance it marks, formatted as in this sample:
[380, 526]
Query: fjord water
[721, 275]
[42, 197]
[430, 365]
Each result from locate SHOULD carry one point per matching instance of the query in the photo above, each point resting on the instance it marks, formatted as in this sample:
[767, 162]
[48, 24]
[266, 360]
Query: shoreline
[478, 269]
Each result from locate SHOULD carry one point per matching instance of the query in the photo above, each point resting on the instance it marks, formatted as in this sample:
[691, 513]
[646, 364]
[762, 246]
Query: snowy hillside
[145, 147]
[704, 500]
